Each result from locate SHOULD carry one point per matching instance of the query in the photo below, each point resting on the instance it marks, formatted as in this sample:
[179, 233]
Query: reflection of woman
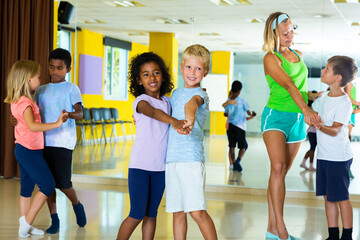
[283, 125]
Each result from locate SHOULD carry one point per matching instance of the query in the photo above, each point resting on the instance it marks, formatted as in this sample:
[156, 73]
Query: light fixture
[170, 21]
[92, 20]
[346, 1]
[209, 34]
[124, 4]
[230, 2]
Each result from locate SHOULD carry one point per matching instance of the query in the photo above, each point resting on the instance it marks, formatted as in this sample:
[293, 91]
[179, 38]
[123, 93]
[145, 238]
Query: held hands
[62, 118]
[178, 126]
[232, 101]
[312, 118]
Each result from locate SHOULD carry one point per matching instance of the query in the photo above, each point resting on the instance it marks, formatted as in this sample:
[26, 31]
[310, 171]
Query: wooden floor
[235, 216]
[235, 201]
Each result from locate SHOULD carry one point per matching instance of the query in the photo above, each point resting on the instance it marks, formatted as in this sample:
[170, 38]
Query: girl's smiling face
[151, 79]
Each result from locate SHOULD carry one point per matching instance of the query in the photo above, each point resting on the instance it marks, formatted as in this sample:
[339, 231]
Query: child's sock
[35, 231]
[347, 234]
[24, 228]
[55, 224]
[333, 233]
[80, 214]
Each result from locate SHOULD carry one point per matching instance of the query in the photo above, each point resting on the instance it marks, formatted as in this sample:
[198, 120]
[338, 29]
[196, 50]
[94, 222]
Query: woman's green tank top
[353, 96]
[280, 98]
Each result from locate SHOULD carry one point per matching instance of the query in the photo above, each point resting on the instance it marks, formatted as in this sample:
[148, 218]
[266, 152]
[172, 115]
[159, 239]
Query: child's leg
[37, 203]
[241, 153]
[311, 157]
[157, 186]
[303, 165]
[179, 225]
[346, 212]
[205, 224]
[148, 228]
[71, 195]
[231, 155]
[127, 227]
[332, 213]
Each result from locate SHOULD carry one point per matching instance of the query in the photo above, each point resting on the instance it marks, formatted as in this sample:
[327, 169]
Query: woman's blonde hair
[17, 80]
[271, 36]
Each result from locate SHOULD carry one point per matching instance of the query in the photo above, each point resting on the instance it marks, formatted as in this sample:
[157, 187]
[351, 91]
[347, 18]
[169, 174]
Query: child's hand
[13, 120]
[232, 101]
[60, 121]
[178, 126]
[189, 124]
[65, 117]
[253, 114]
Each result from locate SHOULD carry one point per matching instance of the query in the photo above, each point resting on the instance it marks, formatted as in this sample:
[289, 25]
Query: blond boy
[185, 170]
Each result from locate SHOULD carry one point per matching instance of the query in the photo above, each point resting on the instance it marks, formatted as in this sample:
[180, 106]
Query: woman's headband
[279, 20]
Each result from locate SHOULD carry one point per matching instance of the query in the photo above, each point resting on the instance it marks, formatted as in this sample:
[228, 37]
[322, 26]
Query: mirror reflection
[103, 36]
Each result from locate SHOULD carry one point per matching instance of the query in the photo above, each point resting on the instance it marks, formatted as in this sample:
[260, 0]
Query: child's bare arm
[13, 120]
[230, 101]
[251, 114]
[331, 130]
[190, 110]
[145, 108]
[78, 113]
[41, 127]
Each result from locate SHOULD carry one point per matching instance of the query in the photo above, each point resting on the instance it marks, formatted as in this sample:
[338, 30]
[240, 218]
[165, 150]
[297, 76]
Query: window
[63, 41]
[115, 74]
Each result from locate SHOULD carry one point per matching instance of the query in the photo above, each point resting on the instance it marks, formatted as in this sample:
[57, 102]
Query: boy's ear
[207, 72]
[68, 69]
[338, 78]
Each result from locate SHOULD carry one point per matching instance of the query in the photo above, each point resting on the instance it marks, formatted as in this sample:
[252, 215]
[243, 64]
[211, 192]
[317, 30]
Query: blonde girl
[22, 82]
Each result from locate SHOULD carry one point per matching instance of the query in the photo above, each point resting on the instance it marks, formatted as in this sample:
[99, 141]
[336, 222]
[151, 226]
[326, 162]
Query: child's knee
[199, 216]
[48, 188]
[26, 190]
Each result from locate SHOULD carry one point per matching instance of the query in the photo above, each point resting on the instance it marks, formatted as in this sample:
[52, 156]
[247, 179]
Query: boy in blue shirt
[236, 109]
[52, 98]
[185, 169]
[334, 154]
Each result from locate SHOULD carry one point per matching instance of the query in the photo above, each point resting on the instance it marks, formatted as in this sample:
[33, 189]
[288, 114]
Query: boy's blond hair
[345, 67]
[198, 51]
[17, 81]
[271, 36]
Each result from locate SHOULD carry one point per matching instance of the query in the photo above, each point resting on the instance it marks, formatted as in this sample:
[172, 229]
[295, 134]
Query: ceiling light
[230, 2]
[355, 24]
[234, 44]
[170, 21]
[92, 20]
[137, 34]
[124, 4]
[346, 1]
[209, 34]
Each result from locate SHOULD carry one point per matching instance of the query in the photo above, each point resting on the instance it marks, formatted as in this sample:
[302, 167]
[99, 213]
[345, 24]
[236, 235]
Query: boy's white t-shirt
[333, 109]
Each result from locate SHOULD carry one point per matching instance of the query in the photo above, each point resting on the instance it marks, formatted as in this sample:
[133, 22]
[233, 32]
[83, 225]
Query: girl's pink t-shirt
[23, 136]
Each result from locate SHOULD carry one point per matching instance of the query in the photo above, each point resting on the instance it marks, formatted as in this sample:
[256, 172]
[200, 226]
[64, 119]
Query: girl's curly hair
[134, 73]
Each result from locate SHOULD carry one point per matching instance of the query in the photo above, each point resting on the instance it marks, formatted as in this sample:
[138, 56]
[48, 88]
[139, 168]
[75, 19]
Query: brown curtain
[26, 28]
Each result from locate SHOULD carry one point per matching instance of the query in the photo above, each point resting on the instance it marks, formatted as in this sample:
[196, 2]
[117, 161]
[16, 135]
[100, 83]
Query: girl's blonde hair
[271, 36]
[17, 81]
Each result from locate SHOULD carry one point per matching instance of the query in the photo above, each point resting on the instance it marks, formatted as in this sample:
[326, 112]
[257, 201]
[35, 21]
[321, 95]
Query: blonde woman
[283, 125]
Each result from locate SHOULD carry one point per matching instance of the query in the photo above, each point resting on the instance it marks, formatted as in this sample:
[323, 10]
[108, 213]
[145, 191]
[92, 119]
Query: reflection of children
[311, 132]
[185, 170]
[23, 80]
[351, 92]
[334, 155]
[149, 81]
[236, 109]
[60, 143]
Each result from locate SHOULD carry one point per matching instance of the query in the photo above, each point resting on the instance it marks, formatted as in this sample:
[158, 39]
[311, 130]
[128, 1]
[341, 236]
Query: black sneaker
[237, 166]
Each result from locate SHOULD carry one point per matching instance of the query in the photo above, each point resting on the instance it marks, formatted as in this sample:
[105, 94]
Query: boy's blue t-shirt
[184, 148]
[52, 98]
[237, 113]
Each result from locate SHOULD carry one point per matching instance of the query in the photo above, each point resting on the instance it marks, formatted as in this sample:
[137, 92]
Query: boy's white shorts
[184, 186]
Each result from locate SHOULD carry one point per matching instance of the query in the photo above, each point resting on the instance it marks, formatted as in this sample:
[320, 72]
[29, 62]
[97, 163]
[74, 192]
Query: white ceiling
[317, 38]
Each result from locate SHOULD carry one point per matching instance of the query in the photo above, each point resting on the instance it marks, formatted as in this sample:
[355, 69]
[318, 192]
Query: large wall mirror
[104, 35]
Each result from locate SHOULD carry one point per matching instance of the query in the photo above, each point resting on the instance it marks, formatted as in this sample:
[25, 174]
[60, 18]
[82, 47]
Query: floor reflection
[112, 159]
